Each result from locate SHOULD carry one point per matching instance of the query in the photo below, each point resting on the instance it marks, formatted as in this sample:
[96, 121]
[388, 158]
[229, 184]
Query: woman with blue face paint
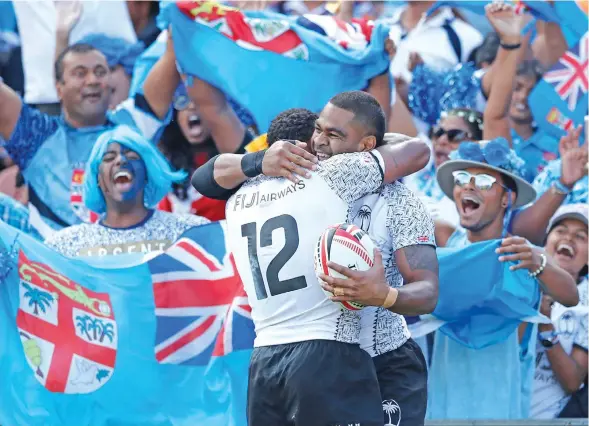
[126, 176]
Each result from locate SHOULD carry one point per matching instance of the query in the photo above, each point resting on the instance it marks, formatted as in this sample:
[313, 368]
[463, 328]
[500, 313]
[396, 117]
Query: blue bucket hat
[494, 155]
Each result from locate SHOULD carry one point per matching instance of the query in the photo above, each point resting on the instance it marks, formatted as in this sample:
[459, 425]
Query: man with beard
[401, 369]
[125, 178]
[486, 182]
[52, 151]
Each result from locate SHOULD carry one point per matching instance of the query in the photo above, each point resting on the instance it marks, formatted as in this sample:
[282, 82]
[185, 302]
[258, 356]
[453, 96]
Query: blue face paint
[137, 169]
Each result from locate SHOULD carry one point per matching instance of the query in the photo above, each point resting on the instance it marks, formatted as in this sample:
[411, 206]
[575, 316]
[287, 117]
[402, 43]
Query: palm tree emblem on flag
[68, 333]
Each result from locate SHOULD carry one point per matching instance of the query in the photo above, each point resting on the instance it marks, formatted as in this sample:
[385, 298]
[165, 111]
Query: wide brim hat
[525, 191]
[576, 211]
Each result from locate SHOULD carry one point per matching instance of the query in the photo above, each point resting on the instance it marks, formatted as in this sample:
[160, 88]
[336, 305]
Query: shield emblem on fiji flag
[68, 333]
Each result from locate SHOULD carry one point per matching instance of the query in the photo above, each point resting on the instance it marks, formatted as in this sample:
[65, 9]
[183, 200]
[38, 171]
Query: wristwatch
[548, 338]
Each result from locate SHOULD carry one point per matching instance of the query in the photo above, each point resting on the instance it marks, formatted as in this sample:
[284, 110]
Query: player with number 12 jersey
[307, 364]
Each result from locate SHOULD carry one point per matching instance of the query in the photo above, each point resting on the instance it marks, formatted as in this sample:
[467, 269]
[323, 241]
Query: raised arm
[162, 81]
[508, 26]
[216, 113]
[531, 222]
[10, 108]
[68, 14]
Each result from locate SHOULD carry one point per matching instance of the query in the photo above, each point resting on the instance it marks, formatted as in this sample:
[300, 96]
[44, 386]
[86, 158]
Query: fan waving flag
[559, 100]
[78, 339]
[269, 62]
[482, 312]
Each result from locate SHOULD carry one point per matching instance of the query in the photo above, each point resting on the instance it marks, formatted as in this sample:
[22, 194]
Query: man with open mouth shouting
[125, 178]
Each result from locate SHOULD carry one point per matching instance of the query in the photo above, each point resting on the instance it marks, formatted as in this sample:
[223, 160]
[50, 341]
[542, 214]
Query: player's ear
[368, 143]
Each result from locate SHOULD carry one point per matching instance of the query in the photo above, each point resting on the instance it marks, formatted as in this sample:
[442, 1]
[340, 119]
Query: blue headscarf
[160, 175]
[117, 51]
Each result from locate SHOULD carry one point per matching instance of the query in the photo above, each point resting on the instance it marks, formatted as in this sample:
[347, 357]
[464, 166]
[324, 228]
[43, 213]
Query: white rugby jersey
[273, 226]
[393, 218]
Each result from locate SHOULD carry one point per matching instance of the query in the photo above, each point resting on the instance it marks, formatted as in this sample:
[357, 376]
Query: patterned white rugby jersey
[158, 231]
[273, 226]
[394, 218]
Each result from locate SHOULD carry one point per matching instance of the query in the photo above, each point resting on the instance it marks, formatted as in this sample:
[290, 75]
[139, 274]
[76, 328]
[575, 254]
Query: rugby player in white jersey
[307, 367]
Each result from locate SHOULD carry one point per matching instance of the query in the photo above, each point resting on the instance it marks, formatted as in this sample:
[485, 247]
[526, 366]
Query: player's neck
[125, 216]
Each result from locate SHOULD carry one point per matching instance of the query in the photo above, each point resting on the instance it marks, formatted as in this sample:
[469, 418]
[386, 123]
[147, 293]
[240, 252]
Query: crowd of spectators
[67, 70]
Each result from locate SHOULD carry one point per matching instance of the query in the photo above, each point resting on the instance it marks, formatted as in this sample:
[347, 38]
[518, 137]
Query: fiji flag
[269, 62]
[77, 337]
[559, 100]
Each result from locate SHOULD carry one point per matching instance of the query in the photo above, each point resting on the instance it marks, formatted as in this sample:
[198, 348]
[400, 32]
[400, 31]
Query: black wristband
[251, 164]
[510, 46]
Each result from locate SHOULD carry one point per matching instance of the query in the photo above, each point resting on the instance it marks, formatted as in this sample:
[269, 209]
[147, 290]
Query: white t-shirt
[273, 227]
[394, 218]
[158, 231]
[549, 398]
[37, 24]
[431, 41]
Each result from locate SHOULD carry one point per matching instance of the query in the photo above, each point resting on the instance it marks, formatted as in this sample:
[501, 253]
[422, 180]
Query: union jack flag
[570, 76]
[200, 304]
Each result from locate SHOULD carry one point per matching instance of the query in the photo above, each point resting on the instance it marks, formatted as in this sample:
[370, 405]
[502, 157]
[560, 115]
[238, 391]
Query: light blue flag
[269, 62]
[481, 302]
[77, 341]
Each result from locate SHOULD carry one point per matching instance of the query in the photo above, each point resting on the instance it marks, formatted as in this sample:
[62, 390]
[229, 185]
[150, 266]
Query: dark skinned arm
[418, 265]
[570, 369]
[418, 296]
[402, 155]
[531, 222]
[162, 81]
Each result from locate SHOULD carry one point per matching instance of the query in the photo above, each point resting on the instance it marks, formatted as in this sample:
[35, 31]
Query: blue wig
[160, 175]
[117, 51]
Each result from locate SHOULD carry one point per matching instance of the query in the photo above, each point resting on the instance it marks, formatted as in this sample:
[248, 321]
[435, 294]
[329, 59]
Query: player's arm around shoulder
[402, 156]
[222, 175]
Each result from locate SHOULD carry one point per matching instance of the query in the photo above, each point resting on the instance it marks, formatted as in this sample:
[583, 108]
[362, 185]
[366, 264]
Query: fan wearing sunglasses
[485, 181]
[455, 126]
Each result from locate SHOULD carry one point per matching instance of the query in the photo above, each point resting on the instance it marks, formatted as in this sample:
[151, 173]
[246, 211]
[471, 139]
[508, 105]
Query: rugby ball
[346, 245]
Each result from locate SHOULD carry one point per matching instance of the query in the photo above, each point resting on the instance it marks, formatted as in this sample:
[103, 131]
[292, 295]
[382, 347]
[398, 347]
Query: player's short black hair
[366, 110]
[530, 68]
[292, 124]
[74, 48]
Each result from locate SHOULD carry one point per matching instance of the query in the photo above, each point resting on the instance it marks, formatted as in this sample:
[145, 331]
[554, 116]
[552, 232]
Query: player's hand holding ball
[362, 282]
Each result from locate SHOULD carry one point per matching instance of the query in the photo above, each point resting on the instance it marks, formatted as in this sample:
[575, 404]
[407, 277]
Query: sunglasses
[483, 181]
[454, 135]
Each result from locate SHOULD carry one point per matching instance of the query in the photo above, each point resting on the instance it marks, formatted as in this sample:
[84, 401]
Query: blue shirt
[489, 383]
[536, 151]
[52, 156]
[16, 215]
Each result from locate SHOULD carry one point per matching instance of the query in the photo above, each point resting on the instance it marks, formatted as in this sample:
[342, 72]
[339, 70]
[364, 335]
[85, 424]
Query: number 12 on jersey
[291, 243]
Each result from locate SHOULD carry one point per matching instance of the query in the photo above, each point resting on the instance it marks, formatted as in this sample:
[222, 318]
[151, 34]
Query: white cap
[577, 211]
